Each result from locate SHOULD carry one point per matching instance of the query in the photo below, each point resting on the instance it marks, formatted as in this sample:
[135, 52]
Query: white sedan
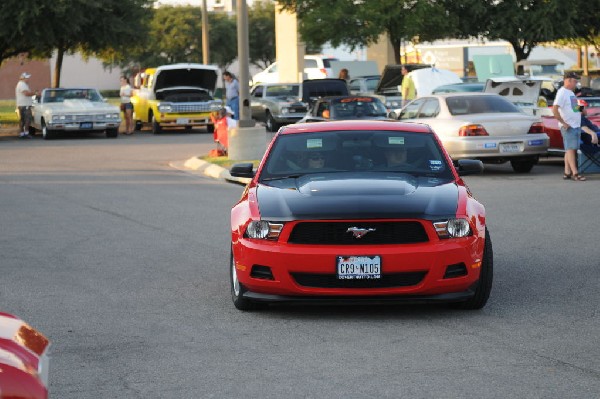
[67, 110]
[481, 126]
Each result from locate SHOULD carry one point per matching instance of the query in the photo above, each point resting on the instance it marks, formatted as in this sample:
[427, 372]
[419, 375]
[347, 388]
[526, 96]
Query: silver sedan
[482, 126]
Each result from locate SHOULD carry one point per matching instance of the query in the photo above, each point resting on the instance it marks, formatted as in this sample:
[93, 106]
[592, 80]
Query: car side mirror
[467, 167]
[242, 170]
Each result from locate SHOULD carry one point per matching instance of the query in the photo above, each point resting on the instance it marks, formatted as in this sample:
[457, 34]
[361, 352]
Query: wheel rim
[44, 130]
[234, 279]
[269, 122]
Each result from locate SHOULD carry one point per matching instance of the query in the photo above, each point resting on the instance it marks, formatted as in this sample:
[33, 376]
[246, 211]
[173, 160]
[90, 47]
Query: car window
[357, 107]
[479, 104]
[283, 90]
[411, 110]
[355, 151]
[327, 62]
[372, 84]
[430, 109]
[322, 107]
[354, 85]
[258, 91]
[310, 63]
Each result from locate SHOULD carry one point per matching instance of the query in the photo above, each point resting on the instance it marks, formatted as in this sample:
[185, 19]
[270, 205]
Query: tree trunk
[57, 67]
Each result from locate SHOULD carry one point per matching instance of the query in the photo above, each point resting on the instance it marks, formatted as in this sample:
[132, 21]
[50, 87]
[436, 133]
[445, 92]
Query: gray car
[277, 104]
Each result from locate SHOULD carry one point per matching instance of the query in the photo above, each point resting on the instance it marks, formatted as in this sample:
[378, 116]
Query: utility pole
[205, 49]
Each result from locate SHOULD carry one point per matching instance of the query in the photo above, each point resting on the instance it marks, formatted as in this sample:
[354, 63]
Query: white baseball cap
[25, 75]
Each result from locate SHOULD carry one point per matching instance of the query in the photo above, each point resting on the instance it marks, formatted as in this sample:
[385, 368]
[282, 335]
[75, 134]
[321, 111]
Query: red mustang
[23, 360]
[592, 107]
[353, 211]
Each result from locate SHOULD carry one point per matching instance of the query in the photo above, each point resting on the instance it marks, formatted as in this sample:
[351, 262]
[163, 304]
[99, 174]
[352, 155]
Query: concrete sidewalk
[208, 169]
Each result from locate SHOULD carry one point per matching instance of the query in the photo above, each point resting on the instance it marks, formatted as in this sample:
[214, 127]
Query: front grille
[386, 280]
[336, 233]
[190, 108]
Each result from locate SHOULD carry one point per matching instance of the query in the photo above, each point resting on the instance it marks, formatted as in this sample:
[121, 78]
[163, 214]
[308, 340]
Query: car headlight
[452, 228]
[59, 118]
[392, 104]
[285, 110]
[263, 229]
[216, 106]
[165, 108]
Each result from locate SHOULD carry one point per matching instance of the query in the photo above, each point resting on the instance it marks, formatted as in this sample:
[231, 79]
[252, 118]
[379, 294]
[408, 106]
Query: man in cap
[23, 100]
[567, 113]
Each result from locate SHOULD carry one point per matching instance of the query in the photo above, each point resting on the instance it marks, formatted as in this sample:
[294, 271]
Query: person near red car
[567, 112]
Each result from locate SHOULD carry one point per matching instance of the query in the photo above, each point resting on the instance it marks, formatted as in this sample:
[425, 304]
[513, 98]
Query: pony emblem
[358, 232]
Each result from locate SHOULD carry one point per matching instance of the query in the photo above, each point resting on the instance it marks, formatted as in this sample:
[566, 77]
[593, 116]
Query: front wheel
[138, 125]
[46, 134]
[237, 289]
[155, 126]
[31, 130]
[523, 165]
[486, 277]
[272, 126]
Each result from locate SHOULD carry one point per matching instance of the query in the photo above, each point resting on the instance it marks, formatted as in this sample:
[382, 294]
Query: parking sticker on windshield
[435, 165]
[314, 143]
[396, 140]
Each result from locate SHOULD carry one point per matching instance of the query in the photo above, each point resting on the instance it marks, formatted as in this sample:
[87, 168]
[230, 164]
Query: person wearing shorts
[126, 106]
[566, 111]
[24, 102]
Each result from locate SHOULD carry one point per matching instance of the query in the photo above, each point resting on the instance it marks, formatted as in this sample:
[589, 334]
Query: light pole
[205, 49]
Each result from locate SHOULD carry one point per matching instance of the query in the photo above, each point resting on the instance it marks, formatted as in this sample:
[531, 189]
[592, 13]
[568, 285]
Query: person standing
[408, 87]
[24, 102]
[232, 93]
[567, 113]
[126, 106]
[344, 74]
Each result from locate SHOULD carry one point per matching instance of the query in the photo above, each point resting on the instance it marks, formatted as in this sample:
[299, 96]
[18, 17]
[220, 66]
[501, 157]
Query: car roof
[355, 125]
[461, 94]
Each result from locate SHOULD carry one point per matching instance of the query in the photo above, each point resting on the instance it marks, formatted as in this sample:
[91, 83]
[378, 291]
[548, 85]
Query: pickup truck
[176, 96]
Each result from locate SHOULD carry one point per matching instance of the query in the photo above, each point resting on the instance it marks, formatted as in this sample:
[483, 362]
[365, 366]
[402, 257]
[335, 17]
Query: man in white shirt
[567, 113]
[24, 101]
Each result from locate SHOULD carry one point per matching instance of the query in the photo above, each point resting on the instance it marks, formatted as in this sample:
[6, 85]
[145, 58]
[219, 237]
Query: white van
[315, 67]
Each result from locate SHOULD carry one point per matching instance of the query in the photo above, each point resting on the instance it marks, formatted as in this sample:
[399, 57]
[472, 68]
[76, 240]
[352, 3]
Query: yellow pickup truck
[176, 96]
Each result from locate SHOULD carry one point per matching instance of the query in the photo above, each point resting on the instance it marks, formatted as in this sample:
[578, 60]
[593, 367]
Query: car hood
[198, 76]
[522, 92]
[348, 196]
[427, 79]
[392, 77]
[81, 105]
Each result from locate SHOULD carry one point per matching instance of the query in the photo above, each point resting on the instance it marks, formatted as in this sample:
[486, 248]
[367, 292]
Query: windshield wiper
[294, 176]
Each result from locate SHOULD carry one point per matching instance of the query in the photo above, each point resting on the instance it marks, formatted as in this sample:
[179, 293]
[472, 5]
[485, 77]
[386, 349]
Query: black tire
[156, 129]
[112, 133]
[523, 165]
[237, 289]
[210, 128]
[486, 277]
[138, 125]
[272, 126]
[31, 131]
[46, 134]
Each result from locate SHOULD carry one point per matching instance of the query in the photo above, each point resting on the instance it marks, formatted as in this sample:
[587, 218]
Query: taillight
[323, 71]
[537, 127]
[472, 130]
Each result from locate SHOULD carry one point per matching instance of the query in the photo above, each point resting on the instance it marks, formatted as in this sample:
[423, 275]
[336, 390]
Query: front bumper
[83, 126]
[288, 118]
[183, 120]
[431, 260]
[497, 147]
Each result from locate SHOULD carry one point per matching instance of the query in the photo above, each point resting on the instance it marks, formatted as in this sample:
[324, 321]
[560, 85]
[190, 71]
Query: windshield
[60, 95]
[296, 155]
[283, 91]
[356, 108]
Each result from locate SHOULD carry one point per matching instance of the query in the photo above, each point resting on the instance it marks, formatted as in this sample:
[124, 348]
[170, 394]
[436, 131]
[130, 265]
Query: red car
[23, 360]
[592, 107]
[356, 211]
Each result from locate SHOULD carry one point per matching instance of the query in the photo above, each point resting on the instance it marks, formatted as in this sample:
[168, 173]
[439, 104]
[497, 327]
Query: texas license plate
[511, 147]
[86, 125]
[358, 267]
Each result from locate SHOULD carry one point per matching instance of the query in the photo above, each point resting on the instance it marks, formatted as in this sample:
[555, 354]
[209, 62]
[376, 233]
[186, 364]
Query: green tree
[22, 30]
[261, 32]
[522, 23]
[364, 21]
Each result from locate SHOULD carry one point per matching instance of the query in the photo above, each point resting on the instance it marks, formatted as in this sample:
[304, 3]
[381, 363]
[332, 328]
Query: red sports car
[592, 107]
[23, 360]
[353, 211]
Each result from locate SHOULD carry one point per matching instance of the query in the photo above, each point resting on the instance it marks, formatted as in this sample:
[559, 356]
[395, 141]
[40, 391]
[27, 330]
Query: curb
[212, 170]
